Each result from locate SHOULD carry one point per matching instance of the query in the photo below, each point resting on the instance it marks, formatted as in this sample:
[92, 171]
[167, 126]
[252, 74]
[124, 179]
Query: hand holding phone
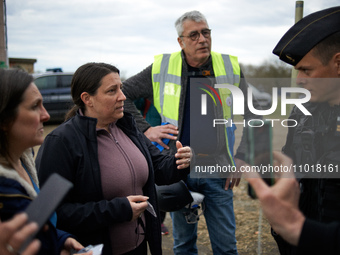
[47, 201]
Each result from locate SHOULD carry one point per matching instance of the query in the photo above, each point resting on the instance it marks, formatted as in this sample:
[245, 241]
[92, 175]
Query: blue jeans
[219, 216]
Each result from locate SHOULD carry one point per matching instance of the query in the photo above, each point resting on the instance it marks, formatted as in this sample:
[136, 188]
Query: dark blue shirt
[195, 125]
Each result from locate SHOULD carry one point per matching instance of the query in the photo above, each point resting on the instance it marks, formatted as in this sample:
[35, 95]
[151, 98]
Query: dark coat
[316, 141]
[71, 150]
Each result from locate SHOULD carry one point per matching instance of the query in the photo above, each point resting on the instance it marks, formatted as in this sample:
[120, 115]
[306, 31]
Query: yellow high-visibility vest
[166, 82]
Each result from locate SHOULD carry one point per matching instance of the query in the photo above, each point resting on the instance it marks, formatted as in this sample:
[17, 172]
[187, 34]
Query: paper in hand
[151, 210]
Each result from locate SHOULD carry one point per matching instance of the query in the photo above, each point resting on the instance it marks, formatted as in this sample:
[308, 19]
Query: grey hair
[192, 15]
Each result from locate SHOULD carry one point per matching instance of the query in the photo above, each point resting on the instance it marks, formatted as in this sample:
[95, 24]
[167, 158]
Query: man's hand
[235, 178]
[184, 155]
[157, 133]
[280, 202]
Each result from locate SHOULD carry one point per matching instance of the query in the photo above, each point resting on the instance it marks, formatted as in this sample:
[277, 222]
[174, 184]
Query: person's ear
[337, 62]
[86, 98]
[180, 42]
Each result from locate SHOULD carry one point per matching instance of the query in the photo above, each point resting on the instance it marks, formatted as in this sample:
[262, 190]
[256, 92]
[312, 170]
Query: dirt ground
[249, 239]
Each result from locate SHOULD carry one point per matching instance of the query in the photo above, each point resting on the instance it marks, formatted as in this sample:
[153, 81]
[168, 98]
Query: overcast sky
[128, 33]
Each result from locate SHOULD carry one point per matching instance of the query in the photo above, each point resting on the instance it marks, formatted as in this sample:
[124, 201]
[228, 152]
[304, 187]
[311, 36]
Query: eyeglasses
[195, 34]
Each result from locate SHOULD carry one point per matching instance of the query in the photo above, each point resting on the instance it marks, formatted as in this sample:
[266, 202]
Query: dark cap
[306, 33]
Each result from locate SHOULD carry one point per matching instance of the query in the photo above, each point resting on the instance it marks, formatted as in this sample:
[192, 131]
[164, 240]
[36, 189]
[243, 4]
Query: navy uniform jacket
[315, 140]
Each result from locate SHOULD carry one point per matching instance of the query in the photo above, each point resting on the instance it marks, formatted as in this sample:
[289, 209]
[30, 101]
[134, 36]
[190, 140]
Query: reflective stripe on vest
[166, 80]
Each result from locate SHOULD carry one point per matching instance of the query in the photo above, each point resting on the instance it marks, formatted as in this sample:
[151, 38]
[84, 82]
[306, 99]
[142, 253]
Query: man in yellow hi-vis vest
[172, 83]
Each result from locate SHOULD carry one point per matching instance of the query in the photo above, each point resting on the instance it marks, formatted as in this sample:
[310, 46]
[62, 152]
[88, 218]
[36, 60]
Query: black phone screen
[259, 150]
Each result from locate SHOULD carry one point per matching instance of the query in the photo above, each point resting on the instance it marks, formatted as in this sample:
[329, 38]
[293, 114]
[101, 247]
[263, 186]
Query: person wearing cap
[312, 46]
[170, 83]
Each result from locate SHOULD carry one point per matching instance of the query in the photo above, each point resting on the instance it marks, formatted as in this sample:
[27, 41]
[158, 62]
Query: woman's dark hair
[87, 78]
[13, 84]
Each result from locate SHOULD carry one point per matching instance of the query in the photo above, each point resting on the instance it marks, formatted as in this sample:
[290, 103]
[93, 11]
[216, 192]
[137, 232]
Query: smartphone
[42, 207]
[260, 151]
[96, 249]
